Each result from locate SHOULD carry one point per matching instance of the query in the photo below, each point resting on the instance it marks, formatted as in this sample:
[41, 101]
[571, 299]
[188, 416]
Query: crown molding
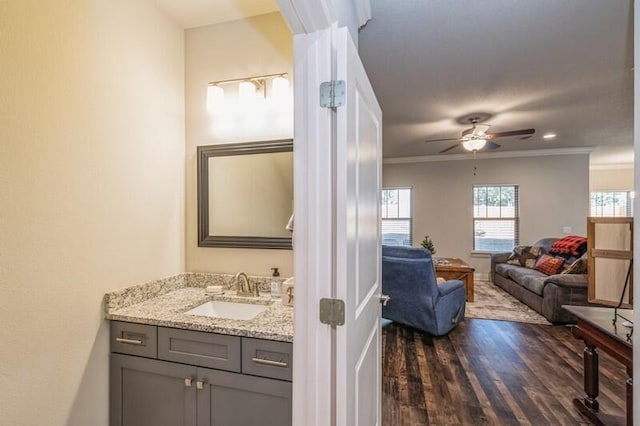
[363, 12]
[612, 166]
[484, 156]
[308, 16]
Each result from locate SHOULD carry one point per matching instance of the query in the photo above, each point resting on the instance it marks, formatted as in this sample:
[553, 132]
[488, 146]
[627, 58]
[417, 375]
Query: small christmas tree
[428, 244]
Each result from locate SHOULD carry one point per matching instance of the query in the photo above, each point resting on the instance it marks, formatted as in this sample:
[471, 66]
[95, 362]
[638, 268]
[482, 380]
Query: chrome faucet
[244, 286]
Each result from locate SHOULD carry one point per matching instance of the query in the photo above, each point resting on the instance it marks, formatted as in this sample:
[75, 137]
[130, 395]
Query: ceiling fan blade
[443, 140]
[511, 133]
[480, 129]
[492, 145]
[449, 149]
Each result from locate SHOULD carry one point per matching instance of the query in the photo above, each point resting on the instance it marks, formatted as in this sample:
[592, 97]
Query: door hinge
[332, 312]
[332, 94]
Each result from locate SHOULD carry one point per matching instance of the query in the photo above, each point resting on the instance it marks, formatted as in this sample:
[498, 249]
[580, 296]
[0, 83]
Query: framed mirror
[245, 194]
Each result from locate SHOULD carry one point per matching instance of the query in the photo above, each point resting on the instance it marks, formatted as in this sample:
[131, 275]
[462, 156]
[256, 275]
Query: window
[612, 203]
[495, 217]
[396, 217]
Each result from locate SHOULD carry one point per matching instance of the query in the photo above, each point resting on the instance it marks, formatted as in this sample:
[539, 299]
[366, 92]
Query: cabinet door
[147, 392]
[230, 399]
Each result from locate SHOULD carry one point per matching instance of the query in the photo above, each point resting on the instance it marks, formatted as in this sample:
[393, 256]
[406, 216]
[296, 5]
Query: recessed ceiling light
[549, 136]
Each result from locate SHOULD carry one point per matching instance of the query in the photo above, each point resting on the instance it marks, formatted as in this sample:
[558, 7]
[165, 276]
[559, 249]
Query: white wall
[244, 48]
[91, 191]
[619, 179]
[554, 192]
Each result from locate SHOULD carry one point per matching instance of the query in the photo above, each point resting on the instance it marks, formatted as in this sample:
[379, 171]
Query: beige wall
[255, 46]
[91, 191]
[620, 179]
[554, 192]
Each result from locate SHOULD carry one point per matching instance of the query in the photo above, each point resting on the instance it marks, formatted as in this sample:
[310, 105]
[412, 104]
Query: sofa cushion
[573, 245]
[504, 268]
[517, 273]
[525, 256]
[568, 280]
[579, 266]
[534, 283]
[549, 265]
[545, 243]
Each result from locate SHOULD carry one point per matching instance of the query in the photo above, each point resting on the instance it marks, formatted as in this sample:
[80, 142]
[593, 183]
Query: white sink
[228, 310]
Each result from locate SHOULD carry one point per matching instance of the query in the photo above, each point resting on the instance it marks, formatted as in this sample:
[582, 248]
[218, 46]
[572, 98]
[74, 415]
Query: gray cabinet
[210, 350]
[148, 392]
[134, 339]
[169, 385]
[267, 358]
[231, 399]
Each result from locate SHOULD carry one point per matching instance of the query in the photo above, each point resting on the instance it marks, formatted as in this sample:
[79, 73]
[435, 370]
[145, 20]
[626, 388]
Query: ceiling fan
[477, 138]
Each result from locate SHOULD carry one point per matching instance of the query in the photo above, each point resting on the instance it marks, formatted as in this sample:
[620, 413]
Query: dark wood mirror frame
[208, 151]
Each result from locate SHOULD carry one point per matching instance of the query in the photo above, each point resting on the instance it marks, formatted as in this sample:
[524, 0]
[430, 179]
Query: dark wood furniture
[457, 269]
[595, 327]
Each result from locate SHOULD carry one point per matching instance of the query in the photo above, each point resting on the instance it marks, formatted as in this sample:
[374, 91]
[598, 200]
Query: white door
[358, 170]
[337, 168]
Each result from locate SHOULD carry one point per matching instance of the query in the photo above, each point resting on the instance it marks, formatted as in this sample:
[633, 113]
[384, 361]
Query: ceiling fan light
[474, 144]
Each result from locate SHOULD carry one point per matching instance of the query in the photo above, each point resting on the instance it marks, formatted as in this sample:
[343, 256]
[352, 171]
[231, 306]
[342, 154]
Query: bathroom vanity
[172, 368]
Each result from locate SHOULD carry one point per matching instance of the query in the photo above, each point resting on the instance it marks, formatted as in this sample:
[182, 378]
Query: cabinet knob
[200, 384]
[187, 382]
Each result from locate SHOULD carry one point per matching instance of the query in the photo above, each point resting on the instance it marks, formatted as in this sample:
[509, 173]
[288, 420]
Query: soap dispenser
[275, 283]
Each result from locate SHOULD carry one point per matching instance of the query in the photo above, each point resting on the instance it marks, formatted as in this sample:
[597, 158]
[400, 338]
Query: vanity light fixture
[247, 88]
[246, 91]
[279, 87]
[215, 97]
[549, 136]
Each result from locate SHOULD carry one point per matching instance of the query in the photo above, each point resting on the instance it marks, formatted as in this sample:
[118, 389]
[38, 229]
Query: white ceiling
[196, 13]
[562, 66]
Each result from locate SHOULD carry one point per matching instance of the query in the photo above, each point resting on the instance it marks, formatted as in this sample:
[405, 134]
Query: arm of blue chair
[449, 286]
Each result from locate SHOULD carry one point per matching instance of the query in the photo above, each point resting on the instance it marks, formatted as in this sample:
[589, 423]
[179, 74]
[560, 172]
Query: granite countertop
[164, 302]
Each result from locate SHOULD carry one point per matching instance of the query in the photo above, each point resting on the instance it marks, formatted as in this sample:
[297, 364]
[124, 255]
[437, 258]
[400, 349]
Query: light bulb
[474, 144]
[215, 97]
[246, 91]
[280, 87]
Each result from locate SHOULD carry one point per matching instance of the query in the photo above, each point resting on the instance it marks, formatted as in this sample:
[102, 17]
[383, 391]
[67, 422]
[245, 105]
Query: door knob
[384, 299]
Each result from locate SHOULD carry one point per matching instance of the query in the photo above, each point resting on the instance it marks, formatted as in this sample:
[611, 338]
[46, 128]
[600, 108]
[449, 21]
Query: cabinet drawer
[267, 358]
[198, 348]
[134, 339]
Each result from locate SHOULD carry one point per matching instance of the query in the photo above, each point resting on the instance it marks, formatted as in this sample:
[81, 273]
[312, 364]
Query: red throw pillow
[549, 265]
[573, 245]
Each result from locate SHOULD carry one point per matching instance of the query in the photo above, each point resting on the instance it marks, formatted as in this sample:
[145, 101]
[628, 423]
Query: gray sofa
[544, 293]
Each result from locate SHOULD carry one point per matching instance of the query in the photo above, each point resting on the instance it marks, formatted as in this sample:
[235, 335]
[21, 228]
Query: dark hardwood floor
[493, 373]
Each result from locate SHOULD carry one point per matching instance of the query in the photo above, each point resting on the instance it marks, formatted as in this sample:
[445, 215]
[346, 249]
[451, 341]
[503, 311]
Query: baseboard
[481, 276]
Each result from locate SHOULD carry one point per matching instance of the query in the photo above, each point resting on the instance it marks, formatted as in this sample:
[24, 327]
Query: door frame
[314, 368]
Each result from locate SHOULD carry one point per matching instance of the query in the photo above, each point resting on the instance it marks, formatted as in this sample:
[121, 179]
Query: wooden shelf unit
[610, 252]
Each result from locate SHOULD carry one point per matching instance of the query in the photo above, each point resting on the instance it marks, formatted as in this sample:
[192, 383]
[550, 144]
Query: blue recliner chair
[417, 300]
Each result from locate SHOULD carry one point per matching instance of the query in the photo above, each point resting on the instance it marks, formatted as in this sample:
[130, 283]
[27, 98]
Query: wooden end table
[456, 269]
[596, 329]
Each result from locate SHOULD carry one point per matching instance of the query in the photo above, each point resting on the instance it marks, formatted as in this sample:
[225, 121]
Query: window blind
[495, 217]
